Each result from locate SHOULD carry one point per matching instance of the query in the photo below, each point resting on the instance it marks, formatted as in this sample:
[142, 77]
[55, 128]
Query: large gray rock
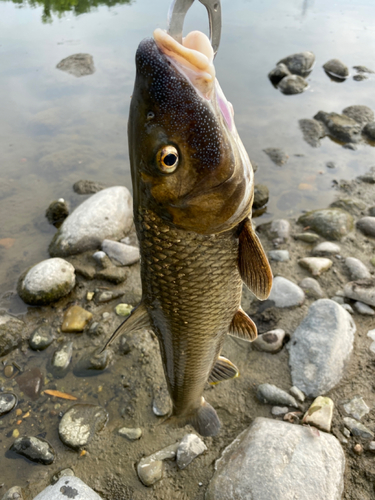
[106, 214]
[11, 330]
[340, 127]
[331, 223]
[80, 424]
[336, 68]
[362, 290]
[47, 282]
[361, 114]
[293, 84]
[275, 460]
[68, 487]
[320, 346]
[35, 449]
[300, 63]
[285, 293]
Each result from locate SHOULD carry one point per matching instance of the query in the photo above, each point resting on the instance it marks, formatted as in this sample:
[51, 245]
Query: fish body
[193, 192]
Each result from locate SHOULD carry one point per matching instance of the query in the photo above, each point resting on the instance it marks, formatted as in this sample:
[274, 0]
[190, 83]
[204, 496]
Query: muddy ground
[127, 386]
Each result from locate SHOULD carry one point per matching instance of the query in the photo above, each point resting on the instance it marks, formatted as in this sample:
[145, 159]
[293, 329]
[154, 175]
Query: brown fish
[193, 193]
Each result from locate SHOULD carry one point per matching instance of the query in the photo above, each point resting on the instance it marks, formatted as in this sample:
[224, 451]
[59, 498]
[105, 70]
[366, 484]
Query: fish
[193, 189]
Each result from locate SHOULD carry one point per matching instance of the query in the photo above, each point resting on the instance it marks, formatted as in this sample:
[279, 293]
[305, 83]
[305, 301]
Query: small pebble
[293, 417]
[279, 411]
[316, 265]
[190, 447]
[150, 469]
[123, 309]
[320, 414]
[7, 402]
[357, 269]
[130, 433]
[281, 228]
[279, 255]
[271, 341]
[268, 393]
[75, 319]
[312, 288]
[348, 308]
[61, 360]
[90, 295]
[371, 446]
[31, 382]
[307, 237]
[367, 226]
[346, 432]
[161, 405]
[8, 371]
[358, 449]
[102, 259]
[326, 248]
[357, 429]
[364, 309]
[35, 449]
[356, 408]
[297, 393]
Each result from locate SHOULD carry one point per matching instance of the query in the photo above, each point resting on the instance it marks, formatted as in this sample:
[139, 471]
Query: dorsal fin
[254, 267]
[243, 327]
[223, 370]
[138, 319]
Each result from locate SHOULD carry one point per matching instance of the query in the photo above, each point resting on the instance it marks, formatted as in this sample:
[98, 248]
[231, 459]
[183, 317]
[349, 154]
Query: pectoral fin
[223, 370]
[138, 319]
[253, 263]
[243, 327]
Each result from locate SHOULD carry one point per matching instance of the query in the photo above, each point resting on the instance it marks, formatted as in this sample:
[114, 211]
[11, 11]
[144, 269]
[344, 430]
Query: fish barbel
[193, 192]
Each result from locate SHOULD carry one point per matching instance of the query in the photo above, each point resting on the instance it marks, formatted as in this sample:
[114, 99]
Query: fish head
[188, 163]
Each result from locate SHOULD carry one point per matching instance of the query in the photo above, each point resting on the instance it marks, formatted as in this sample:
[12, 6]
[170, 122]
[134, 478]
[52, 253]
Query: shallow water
[56, 128]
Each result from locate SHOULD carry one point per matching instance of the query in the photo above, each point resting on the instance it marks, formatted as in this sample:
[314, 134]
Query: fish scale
[191, 302]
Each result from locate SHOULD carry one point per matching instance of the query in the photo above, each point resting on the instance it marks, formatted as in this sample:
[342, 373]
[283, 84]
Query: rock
[268, 393]
[57, 212]
[131, 434]
[274, 460]
[261, 195]
[331, 223]
[41, 338]
[358, 449]
[113, 274]
[83, 267]
[307, 237]
[356, 408]
[357, 429]
[364, 309]
[75, 319]
[312, 131]
[354, 207]
[371, 334]
[11, 330]
[87, 187]
[361, 290]
[369, 131]
[92, 363]
[326, 248]
[320, 414]
[150, 469]
[371, 446]
[362, 69]
[357, 269]
[280, 228]
[279, 411]
[300, 63]
[124, 254]
[348, 308]
[46, 282]
[68, 487]
[367, 226]
[77, 65]
[14, 493]
[31, 382]
[61, 360]
[62, 473]
[123, 310]
[161, 405]
[331, 164]
[361, 114]
[316, 265]
[35, 449]
[271, 341]
[299, 395]
[102, 259]
[278, 255]
[369, 178]
[106, 214]
[277, 155]
[107, 296]
[340, 300]
[292, 84]
[312, 288]
[80, 423]
[360, 77]
[336, 68]
[341, 127]
[278, 73]
[190, 447]
[284, 293]
[7, 402]
[320, 346]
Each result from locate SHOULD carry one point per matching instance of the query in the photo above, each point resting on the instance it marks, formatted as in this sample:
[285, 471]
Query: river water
[56, 129]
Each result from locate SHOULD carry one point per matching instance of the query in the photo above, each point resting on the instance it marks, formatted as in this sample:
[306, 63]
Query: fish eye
[150, 115]
[167, 159]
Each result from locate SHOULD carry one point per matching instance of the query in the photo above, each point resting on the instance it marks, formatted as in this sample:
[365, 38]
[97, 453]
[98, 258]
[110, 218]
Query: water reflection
[60, 7]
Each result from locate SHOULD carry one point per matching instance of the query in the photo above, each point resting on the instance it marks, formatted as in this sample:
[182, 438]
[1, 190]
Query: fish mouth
[193, 58]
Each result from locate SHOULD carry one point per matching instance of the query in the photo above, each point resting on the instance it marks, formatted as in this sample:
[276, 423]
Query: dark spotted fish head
[188, 163]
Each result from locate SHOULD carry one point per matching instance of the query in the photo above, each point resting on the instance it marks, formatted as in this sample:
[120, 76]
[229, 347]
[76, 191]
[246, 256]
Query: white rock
[312, 288]
[320, 346]
[320, 414]
[106, 214]
[285, 293]
[47, 282]
[124, 254]
[326, 248]
[356, 408]
[130, 433]
[279, 411]
[150, 469]
[316, 265]
[190, 447]
[68, 487]
[371, 334]
[357, 269]
[278, 255]
[364, 309]
[271, 341]
[362, 290]
[275, 460]
[297, 393]
[281, 227]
